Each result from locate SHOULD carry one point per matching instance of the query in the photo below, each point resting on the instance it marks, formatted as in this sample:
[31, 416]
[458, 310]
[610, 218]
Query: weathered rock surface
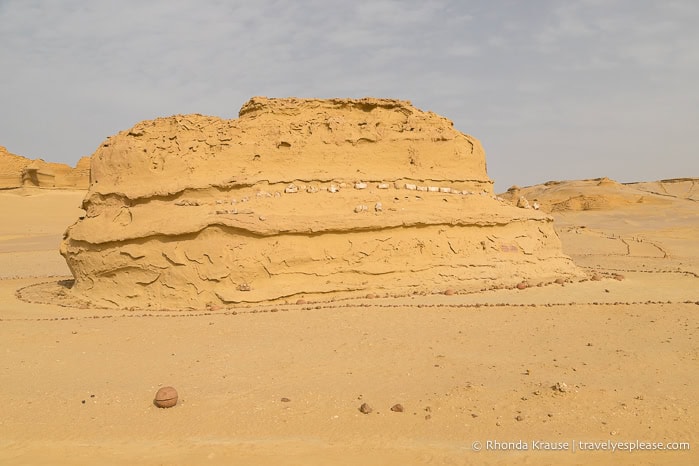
[299, 197]
[17, 171]
[603, 194]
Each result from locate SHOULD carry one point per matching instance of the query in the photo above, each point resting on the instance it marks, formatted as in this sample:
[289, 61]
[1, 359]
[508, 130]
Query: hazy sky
[553, 89]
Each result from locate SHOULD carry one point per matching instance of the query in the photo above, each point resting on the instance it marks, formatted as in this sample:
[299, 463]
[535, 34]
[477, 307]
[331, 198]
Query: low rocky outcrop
[600, 194]
[299, 197]
[17, 172]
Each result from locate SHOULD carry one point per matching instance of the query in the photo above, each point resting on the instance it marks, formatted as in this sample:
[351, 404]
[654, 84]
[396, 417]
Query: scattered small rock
[300, 301]
[285, 400]
[365, 408]
[522, 285]
[397, 408]
[596, 278]
[519, 418]
[166, 397]
[618, 277]
[560, 281]
[561, 387]
[449, 292]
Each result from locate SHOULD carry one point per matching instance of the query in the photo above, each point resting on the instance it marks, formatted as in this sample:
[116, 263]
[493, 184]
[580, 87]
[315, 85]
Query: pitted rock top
[287, 140]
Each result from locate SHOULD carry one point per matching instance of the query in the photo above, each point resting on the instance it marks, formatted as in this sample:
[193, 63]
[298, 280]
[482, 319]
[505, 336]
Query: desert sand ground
[593, 361]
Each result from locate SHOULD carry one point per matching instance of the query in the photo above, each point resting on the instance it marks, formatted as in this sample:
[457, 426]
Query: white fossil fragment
[186, 202]
[411, 187]
[433, 189]
[382, 185]
[333, 188]
[360, 185]
[378, 207]
[445, 189]
[523, 203]
[292, 188]
[360, 208]
[312, 189]
[422, 188]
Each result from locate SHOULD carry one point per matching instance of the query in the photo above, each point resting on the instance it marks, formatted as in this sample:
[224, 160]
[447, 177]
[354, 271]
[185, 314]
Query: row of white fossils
[333, 188]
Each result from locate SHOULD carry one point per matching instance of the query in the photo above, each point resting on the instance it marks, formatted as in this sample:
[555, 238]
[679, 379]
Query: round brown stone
[166, 397]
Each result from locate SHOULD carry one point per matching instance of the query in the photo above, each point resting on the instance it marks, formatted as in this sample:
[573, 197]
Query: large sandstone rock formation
[17, 171]
[299, 197]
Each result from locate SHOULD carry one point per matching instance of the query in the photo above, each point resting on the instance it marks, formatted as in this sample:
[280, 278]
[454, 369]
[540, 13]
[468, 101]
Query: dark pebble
[365, 408]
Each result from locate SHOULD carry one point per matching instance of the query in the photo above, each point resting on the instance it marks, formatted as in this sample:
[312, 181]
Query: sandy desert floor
[596, 361]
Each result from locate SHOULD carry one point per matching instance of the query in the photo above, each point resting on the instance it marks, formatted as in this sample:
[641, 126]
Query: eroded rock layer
[17, 171]
[299, 197]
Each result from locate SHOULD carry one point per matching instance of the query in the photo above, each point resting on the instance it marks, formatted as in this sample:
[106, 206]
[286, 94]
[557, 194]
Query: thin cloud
[519, 76]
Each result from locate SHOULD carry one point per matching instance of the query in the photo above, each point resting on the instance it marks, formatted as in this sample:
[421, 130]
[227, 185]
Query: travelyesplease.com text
[578, 445]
